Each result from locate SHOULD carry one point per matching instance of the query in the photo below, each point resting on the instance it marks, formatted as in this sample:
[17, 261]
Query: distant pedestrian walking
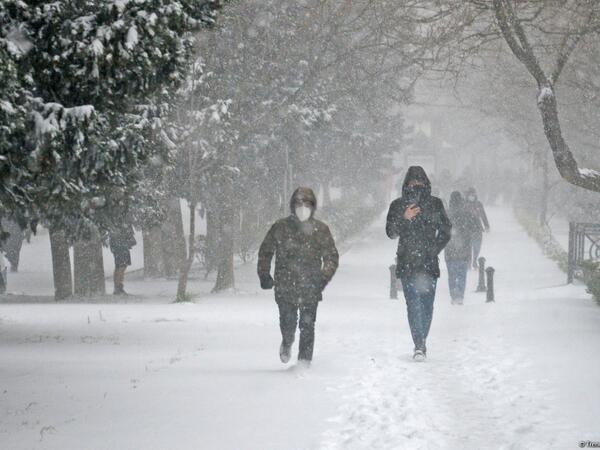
[305, 261]
[477, 210]
[121, 241]
[458, 251]
[419, 222]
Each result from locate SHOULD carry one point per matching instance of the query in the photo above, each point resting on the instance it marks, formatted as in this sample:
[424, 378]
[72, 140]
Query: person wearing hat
[305, 261]
[419, 221]
[475, 207]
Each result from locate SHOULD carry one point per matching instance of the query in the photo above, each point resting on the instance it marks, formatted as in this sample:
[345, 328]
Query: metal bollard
[481, 285]
[490, 284]
[393, 283]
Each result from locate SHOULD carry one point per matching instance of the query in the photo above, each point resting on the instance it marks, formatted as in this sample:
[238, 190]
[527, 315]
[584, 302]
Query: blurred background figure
[458, 251]
[475, 207]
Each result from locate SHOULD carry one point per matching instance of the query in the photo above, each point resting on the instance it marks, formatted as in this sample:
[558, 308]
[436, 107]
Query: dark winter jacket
[421, 240]
[305, 256]
[122, 239]
[476, 208]
[464, 227]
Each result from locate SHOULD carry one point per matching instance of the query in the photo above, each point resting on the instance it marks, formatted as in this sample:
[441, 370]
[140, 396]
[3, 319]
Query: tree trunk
[515, 36]
[563, 158]
[89, 268]
[173, 241]
[13, 244]
[211, 241]
[61, 265]
[153, 255]
[185, 268]
[225, 274]
[226, 225]
[545, 191]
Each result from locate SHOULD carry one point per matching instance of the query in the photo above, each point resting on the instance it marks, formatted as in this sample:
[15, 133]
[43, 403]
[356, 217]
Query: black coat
[122, 239]
[421, 240]
[305, 258]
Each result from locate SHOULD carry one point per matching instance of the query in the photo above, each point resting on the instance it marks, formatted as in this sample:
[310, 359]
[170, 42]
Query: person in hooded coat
[476, 209]
[121, 241]
[419, 222]
[305, 261]
[458, 251]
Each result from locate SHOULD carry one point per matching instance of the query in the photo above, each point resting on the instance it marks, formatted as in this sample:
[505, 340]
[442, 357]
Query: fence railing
[584, 245]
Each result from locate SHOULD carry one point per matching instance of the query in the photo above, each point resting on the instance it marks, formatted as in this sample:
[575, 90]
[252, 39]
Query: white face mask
[303, 213]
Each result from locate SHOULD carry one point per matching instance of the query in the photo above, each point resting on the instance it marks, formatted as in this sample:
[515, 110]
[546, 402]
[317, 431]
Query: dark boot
[119, 281]
[288, 321]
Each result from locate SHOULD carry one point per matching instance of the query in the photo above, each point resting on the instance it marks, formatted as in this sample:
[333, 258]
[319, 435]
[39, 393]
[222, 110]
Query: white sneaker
[419, 356]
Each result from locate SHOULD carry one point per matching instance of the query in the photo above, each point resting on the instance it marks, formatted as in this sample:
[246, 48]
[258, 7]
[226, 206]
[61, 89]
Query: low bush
[591, 278]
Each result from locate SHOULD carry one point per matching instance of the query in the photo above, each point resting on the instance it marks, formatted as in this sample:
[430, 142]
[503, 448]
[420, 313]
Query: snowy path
[521, 373]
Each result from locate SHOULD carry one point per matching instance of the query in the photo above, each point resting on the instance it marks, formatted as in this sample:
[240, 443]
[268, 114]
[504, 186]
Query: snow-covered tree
[95, 82]
[544, 37]
[202, 135]
[14, 172]
[286, 66]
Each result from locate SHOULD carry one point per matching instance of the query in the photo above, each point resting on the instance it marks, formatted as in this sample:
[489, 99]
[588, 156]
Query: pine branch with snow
[87, 88]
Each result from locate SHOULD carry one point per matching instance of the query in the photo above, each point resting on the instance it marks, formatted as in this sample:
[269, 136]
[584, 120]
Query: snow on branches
[84, 92]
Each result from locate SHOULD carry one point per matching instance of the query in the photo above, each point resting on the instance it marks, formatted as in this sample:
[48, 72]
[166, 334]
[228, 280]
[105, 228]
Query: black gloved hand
[266, 281]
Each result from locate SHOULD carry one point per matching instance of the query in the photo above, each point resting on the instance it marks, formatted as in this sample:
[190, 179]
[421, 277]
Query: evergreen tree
[88, 87]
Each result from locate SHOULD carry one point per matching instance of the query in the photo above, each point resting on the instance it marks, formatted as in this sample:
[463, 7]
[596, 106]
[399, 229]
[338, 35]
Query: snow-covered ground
[521, 373]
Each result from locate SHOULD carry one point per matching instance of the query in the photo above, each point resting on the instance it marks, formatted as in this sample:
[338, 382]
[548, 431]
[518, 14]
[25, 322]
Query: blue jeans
[419, 292]
[457, 278]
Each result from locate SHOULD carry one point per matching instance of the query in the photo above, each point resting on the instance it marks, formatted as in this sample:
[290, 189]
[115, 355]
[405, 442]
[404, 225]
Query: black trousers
[288, 321]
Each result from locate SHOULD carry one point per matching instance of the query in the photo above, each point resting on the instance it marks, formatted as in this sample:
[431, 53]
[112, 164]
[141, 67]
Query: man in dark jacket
[475, 207]
[305, 261]
[422, 227]
[121, 241]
